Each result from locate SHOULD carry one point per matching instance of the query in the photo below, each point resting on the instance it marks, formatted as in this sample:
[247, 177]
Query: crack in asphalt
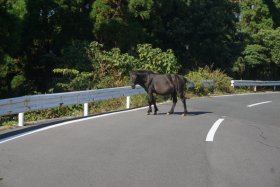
[261, 134]
[272, 146]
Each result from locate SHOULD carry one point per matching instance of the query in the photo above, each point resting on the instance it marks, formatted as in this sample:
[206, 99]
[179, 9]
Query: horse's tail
[185, 83]
[185, 87]
[180, 85]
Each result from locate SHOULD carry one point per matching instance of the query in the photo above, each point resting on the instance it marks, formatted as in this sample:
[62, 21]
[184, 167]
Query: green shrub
[221, 81]
[154, 59]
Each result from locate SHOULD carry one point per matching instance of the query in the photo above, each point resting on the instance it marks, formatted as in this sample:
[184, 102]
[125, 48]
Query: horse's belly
[164, 90]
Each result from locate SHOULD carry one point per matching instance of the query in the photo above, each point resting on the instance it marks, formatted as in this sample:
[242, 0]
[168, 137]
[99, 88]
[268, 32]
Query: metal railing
[205, 83]
[20, 105]
[239, 83]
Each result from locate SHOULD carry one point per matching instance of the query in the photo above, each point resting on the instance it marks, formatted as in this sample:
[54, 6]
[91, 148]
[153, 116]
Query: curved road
[131, 149]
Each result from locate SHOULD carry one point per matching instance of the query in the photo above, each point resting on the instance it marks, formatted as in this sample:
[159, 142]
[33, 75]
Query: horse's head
[133, 78]
[139, 77]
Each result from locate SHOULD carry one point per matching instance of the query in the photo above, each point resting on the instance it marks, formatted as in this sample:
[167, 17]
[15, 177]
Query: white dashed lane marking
[255, 104]
[212, 131]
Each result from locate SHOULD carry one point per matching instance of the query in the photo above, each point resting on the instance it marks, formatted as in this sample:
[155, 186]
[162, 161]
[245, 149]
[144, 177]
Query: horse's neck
[149, 85]
[146, 82]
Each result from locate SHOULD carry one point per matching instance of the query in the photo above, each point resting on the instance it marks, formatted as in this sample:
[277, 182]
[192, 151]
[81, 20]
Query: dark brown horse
[161, 84]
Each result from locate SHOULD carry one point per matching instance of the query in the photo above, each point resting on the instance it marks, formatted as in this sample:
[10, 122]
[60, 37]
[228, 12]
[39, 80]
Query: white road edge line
[65, 123]
[212, 131]
[258, 104]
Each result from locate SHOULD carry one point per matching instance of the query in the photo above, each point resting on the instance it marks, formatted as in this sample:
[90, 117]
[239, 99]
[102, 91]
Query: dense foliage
[221, 81]
[101, 68]
[60, 45]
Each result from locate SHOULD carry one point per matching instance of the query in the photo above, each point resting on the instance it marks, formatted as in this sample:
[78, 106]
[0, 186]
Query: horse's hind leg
[174, 99]
[183, 99]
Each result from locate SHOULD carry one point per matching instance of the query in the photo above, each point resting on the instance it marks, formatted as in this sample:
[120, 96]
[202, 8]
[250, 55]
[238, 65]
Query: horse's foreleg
[174, 99]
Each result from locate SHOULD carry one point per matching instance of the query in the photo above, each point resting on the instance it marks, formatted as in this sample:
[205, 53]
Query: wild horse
[161, 84]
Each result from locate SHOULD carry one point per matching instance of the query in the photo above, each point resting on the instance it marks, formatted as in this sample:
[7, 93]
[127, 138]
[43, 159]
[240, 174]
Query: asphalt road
[132, 149]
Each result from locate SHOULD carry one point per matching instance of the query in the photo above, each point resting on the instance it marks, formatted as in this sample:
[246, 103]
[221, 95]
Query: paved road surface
[132, 149]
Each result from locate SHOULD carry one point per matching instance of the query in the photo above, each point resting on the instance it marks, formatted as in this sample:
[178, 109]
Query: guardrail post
[274, 88]
[232, 83]
[127, 102]
[85, 109]
[21, 119]
[255, 88]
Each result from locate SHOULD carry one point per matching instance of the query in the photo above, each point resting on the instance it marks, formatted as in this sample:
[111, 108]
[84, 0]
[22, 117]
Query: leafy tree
[104, 68]
[73, 22]
[200, 32]
[156, 60]
[75, 56]
[50, 26]
[11, 17]
[141, 8]
[271, 40]
[40, 28]
[12, 13]
[110, 68]
[259, 60]
[254, 16]
[274, 11]
[72, 80]
[113, 24]
[75, 71]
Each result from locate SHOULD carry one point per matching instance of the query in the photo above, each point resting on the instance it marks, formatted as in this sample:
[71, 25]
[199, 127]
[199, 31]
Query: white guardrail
[20, 105]
[238, 83]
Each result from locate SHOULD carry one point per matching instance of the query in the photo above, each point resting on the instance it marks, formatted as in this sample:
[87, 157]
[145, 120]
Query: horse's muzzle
[133, 86]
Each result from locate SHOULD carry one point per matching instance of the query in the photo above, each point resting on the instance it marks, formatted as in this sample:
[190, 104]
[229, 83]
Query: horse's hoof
[155, 113]
[148, 113]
